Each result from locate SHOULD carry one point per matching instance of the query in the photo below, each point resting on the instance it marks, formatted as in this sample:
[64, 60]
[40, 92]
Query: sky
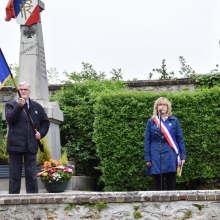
[134, 35]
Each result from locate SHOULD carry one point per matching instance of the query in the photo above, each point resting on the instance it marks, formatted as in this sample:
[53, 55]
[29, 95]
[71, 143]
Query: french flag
[10, 11]
[26, 11]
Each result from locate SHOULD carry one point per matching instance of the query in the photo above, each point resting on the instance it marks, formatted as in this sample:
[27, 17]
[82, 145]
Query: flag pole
[24, 106]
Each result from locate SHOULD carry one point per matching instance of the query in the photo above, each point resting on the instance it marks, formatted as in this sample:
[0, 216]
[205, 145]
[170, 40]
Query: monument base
[55, 116]
[82, 183]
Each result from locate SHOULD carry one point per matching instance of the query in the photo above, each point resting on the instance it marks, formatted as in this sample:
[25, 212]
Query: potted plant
[55, 175]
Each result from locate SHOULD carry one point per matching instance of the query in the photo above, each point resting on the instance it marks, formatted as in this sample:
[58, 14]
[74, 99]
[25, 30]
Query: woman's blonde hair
[162, 100]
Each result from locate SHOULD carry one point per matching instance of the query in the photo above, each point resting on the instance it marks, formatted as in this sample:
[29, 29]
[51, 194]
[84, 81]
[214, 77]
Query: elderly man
[22, 140]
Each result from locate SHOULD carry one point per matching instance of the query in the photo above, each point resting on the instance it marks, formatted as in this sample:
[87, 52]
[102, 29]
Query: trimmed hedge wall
[76, 131]
[119, 130]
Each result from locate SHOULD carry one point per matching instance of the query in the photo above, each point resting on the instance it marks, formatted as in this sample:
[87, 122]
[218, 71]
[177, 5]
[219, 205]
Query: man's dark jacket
[20, 133]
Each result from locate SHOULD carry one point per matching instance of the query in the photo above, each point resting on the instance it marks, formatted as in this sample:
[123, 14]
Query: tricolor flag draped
[170, 139]
[10, 11]
[5, 73]
[26, 11]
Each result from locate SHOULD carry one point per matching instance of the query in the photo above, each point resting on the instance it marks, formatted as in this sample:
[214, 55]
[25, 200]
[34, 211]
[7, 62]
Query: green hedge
[76, 131]
[119, 131]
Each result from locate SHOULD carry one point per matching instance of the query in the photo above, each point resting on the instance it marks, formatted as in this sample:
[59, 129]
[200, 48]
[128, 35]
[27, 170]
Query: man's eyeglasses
[23, 90]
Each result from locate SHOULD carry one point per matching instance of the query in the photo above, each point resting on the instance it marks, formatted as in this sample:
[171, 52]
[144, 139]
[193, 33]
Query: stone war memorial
[75, 204]
[32, 69]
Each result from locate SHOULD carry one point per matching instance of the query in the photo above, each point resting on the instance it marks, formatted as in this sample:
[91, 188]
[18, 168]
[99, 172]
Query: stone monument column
[32, 69]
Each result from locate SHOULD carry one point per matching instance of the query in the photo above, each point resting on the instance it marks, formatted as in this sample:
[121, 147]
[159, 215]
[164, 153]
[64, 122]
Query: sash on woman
[170, 139]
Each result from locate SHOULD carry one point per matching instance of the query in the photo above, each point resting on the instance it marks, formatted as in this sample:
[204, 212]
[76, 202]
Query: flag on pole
[5, 73]
[26, 11]
[10, 11]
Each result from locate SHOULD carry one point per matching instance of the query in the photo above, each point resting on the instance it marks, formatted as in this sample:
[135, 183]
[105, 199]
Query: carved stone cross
[29, 32]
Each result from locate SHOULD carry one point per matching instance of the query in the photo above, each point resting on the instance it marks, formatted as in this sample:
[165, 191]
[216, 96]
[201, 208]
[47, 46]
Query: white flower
[56, 177]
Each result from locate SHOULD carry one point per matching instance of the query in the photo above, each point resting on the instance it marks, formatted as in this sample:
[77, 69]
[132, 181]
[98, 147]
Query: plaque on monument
[27, 12]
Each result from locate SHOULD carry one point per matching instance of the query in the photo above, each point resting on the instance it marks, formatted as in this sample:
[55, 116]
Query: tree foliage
[53, 76]
[14, 70]
[88, 73]
[163, 71]
[185, 70]
[46, 155]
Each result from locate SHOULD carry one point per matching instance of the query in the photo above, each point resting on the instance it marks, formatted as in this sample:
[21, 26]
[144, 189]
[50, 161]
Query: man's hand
[21, 102]
[37, 135]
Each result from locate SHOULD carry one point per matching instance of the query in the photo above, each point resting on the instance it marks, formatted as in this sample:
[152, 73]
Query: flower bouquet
[52, 171]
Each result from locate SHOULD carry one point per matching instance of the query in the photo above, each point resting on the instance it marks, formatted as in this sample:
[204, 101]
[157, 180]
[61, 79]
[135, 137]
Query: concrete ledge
[150, 205]
[76, 183]
[110, 197]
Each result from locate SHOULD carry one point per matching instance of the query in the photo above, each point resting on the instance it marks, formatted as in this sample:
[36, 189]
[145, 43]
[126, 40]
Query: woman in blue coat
[152, 145]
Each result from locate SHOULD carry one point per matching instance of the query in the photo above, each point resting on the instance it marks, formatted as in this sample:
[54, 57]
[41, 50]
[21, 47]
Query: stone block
[111, 199]
[94, 199]
[217, 195]
[155, 198]
[164, 198]
[120, 199]
[8, 201]
[128, 199]
[42, 200]
[210, 197]
[33, 200]
[72, 199]
[50, 200]
[174, 197]
[103, 199]
[182, 197]
[25, 200]
[137, 198]
[85, 199]
[16, 201]
[2, 201]
[201, 197]
[146, 197]
[192, 197]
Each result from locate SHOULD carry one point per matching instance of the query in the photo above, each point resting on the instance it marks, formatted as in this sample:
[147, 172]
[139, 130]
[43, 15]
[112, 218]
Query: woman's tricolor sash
[169, 136]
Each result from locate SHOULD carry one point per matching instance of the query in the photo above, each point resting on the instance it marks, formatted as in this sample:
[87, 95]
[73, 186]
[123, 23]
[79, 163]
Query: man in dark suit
[22, 140]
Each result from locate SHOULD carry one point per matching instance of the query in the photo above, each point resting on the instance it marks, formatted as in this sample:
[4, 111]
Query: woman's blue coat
[152, 147]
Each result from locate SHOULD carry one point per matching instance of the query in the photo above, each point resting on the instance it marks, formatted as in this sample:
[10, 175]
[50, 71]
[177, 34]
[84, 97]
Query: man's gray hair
[24, 83]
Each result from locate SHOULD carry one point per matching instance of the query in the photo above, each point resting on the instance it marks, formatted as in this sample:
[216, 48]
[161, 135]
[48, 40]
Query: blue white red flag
[26, 12]
[10, 11]
[5, 73]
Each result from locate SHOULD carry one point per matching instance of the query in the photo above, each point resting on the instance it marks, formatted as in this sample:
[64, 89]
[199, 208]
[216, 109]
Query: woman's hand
[183, 161]
[148, 163]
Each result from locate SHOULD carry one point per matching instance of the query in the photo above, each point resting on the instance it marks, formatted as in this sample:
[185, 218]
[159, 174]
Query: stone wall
[162, 85]
[151, 205]
[9, 93]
